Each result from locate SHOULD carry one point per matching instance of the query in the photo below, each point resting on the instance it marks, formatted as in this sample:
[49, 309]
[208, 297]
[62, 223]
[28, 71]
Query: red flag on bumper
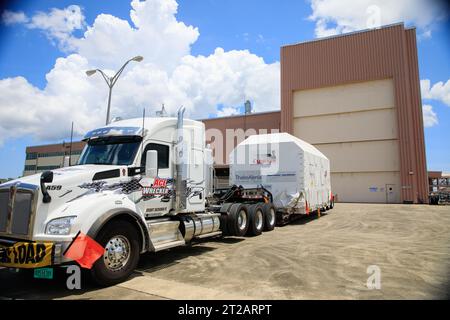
[84, 250]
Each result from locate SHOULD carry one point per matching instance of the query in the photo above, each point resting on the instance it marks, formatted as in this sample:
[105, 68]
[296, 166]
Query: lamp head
[138, 58]
[90, 72]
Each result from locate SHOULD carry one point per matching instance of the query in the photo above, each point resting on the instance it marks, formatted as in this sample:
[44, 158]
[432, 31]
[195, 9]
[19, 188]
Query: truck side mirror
[151, 164]
[46, 177]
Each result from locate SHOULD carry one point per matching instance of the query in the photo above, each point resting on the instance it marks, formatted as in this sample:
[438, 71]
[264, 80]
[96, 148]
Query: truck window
[114, 150]
[163, 155]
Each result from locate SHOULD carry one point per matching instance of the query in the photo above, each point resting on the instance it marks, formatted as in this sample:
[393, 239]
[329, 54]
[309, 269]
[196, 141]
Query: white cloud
[59, 24]
[340, 16]
[226, 112]
[425, 89]
[169, 74]
[46, 114]
[156, 35]
[260, 39]
[439, 91]
[430, 118]
[11, 17]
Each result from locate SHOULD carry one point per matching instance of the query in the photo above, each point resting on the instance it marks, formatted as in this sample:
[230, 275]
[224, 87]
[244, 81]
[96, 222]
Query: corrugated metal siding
[257, 121]
[388, 52]
[416, 110]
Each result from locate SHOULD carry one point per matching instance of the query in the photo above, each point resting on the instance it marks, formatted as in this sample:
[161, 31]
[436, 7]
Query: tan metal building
[224, 134]
[49, 157]
[356, 97]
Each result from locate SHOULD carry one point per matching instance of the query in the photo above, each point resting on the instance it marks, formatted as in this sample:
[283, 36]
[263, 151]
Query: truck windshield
[111, 150]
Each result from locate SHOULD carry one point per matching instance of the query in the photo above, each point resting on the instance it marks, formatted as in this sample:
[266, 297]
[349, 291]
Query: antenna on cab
[143, 132]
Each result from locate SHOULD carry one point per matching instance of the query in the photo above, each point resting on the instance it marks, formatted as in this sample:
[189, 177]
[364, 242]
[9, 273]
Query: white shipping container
[295, 172]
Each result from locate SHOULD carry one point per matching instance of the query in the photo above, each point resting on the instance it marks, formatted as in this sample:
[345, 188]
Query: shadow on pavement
[304, 219]
[22, 285]
[151, 262]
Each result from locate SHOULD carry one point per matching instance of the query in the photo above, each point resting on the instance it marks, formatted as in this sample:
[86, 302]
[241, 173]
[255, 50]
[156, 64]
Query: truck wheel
[269, 216]
[256, 217]
[121, 243]
[238, 220]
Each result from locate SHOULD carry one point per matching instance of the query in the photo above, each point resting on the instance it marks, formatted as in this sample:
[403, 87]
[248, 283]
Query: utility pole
[70, 148]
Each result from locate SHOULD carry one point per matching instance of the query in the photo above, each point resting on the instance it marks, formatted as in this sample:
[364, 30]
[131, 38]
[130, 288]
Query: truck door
[195, 144]
[160, 201]
[197, 179]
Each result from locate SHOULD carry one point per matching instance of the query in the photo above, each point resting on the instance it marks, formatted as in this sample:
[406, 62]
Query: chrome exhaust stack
[181, 165]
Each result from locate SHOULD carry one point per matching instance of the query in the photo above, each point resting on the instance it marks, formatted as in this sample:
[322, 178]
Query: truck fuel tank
[200, 225]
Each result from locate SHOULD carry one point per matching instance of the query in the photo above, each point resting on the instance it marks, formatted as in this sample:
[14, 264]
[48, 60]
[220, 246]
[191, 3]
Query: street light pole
[109, 105]
[111, 81]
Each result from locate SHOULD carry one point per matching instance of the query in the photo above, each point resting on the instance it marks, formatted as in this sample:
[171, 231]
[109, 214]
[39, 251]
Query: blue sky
[258, 26]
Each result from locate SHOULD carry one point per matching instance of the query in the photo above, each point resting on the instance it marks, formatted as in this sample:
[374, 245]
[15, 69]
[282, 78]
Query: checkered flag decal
[126, 187]
[131, 186]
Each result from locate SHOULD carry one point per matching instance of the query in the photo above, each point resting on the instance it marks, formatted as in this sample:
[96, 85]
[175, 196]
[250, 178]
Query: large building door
[355, 126]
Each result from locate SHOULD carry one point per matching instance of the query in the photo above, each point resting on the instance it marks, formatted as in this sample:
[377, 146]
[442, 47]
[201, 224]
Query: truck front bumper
[28, 255]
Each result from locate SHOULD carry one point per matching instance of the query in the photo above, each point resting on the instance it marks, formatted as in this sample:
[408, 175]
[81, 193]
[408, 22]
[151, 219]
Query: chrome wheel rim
[242, 220]
[259, 219]
[117, 253]
[272, 216]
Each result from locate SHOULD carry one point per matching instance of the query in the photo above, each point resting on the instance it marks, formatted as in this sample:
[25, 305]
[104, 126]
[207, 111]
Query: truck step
[168, 245]
[208, 235]
[165, 234]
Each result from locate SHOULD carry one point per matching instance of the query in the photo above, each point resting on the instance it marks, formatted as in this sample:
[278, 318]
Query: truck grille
[17, 210]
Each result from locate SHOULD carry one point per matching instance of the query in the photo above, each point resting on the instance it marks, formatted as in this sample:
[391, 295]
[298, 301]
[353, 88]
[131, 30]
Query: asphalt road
[314, 258]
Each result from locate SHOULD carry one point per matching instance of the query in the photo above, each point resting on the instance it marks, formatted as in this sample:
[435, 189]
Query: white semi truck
[146, 185]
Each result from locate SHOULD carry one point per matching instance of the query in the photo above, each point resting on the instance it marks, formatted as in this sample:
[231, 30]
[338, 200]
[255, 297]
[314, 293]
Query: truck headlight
[60, 226]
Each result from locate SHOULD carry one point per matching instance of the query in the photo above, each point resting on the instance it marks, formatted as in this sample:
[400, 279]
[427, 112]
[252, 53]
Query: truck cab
[128, 143]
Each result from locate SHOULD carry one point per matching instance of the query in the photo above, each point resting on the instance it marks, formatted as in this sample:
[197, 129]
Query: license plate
[43, 273]
[27, 255]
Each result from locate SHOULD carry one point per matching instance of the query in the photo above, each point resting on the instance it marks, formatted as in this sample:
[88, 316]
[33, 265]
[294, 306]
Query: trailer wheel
[256, 217]
[269, 216]
[238, 221]
[121, 243]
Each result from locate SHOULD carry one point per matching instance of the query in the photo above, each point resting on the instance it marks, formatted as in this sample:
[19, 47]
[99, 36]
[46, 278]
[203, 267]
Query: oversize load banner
[26, 255]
